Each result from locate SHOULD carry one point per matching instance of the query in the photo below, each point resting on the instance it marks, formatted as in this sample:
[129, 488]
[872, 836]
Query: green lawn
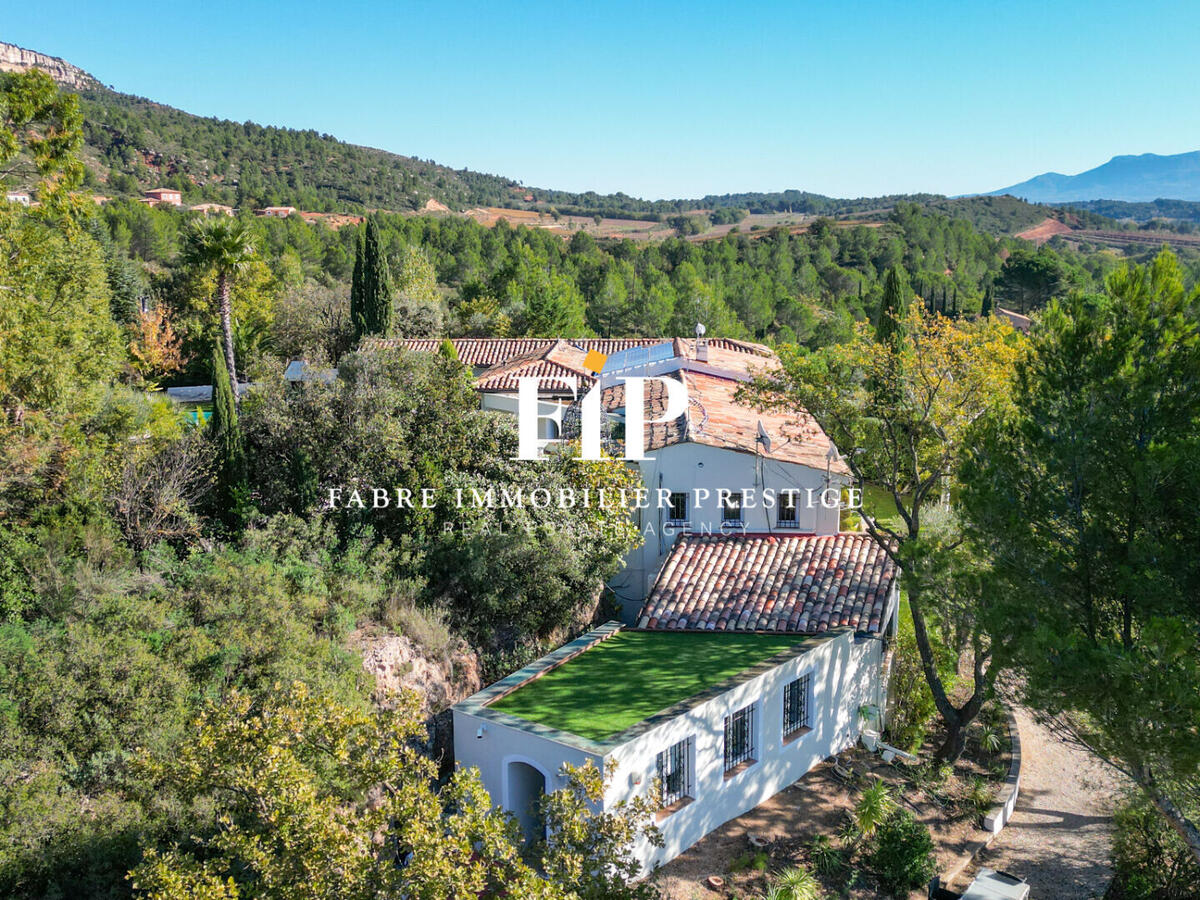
[880, 505]
[633, 675]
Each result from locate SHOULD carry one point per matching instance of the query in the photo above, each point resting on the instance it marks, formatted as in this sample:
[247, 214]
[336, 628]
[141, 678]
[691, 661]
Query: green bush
[1150, 859]
[796, 883]
[902, 854]
[874, 808]
[912, 706]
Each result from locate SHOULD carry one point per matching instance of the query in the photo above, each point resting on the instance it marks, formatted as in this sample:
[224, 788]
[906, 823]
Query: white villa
[754, 634]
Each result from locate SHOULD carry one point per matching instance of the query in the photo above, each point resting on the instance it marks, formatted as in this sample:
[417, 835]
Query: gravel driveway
[1058, 838]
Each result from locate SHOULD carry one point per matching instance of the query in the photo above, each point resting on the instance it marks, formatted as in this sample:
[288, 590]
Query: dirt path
[1058, 838]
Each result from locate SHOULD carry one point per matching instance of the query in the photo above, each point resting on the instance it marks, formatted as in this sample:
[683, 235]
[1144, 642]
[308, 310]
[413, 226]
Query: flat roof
[628, 677]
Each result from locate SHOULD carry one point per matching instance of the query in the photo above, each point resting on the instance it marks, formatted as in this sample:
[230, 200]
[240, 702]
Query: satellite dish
[763, 438]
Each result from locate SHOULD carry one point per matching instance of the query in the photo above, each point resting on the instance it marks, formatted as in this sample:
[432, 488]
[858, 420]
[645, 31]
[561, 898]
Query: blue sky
[673, 100]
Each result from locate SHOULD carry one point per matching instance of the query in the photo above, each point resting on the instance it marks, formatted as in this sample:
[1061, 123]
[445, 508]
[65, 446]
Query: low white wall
[845, 675]
[502, 744]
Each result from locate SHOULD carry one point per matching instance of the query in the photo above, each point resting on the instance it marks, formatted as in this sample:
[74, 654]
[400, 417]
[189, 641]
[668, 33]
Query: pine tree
[357, 318]
[376, 285]
[893, 307]
[226, 435]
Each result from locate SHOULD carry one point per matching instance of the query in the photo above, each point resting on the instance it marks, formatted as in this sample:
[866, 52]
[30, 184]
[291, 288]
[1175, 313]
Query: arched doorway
[526, 785]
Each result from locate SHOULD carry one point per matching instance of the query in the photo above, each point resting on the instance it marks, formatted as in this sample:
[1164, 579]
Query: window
[731, 508]
[675, 773]
[739, 738]
[795, 705]
[786, 517]
[678, 512]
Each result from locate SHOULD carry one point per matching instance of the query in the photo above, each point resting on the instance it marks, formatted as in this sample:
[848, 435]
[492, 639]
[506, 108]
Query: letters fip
[528, 415]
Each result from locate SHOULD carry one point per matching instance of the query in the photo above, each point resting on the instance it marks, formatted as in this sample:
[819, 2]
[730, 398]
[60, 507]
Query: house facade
[705, 758]
[719, 468]
[166, 196]
[754, 632]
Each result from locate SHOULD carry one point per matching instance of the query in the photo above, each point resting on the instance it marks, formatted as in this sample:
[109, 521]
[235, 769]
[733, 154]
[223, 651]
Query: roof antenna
[701, 343]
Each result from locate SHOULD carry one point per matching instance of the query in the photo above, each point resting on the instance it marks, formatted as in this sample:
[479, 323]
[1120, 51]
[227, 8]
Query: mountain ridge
[1130, 177]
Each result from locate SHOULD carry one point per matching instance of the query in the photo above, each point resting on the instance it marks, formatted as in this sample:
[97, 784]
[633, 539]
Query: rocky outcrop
[18, 59]
[397, 663]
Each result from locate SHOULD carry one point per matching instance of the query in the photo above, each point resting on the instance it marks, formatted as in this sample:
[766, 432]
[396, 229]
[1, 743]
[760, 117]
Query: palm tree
[224, 246]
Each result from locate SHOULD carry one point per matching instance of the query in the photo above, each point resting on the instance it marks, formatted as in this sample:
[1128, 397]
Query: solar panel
[638, 357]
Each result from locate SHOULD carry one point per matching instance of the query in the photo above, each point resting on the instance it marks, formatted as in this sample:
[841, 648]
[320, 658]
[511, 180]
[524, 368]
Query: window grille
[679, 508]
[795, 705]
[739, 737]
[674, 775]
[787, 517]
[731, 509]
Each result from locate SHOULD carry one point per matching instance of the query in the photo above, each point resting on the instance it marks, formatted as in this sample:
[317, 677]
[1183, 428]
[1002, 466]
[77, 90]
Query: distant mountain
[1132, 178]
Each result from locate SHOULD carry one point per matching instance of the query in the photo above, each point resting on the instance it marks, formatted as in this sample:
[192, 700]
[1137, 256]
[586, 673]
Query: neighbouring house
[196, 400]
[1015, 319]
[300, 372]
[758, 657]
[278, 212]
[18, 197]
[713, 467]
[164, 196]
[213, 209]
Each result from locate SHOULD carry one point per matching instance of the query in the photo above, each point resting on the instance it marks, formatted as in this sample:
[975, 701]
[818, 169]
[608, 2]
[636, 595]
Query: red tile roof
[493, 351]
[713, 416]
[771, 583]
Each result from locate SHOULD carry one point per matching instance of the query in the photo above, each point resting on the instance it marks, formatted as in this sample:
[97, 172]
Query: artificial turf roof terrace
[632, 675]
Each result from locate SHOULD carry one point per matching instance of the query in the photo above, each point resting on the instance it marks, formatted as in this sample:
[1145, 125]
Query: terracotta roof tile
[493, 351]
[799, 584]
[713, 416]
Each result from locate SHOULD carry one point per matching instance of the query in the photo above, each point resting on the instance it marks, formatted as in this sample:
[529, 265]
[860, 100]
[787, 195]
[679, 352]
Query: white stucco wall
[846, 674]
[688, 467]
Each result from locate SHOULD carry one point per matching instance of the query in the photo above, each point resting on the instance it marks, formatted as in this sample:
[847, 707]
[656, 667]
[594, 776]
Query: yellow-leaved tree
[899, 400]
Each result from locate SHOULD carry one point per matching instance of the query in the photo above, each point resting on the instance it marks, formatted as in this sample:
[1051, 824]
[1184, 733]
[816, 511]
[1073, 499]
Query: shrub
[874, 808]
[980, 794]
[796, 883]
[825, 858]
[1150, 859]
[751, 859]
[423, 625]
[912, 706]
[989, 739]
[902, 857]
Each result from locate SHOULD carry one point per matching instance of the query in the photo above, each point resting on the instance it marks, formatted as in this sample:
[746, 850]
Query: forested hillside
[184, 710]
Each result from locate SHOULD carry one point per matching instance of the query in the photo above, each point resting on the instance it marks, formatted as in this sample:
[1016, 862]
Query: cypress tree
[358, 320]
[376, 285]
[986, 310]
[226, 435]
[893, 306]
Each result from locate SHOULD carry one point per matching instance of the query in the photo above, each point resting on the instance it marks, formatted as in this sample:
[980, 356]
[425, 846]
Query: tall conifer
[376, 285]
[893, 306]
[357, 315]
